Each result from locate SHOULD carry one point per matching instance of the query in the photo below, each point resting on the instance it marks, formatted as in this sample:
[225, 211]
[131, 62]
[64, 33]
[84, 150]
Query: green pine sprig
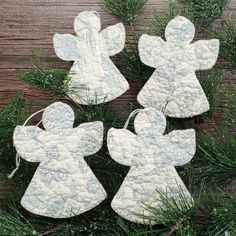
[132, 67]
[53, 81]
[160, 21]
[215, 160]
[211, 82]
[228, 97]
[211, 213]
[202, 10]
[127, 11]
[11, 115]
[14, 223]
[218, 213]
[226, 33]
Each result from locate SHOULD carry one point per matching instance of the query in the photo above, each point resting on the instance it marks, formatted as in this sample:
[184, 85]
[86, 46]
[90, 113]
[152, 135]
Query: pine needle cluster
[226, 32]
[209, 10]
[127, 11]
[53, 81]
[160, 21]
[211, 83]
[10, 116]
[132, 67]
[215, 160]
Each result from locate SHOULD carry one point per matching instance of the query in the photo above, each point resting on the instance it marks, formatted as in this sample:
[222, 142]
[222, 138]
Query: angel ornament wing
[174, 87]
[63, 184]
[152, 157]
[93, 78]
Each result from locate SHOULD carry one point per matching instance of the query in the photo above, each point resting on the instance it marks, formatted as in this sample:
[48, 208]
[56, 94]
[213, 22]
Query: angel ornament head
[152, 157]
[61, 185]
[93, 78]
[174, 87]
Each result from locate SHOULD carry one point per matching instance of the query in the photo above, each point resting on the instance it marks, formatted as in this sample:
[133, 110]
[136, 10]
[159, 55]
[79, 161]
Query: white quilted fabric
[152, 157]
[93, 78]
[63, 184]
[174, 87]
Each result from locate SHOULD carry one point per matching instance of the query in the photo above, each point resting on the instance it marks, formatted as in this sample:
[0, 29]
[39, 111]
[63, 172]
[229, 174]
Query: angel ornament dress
[152, 157]
[93, 78]
[174, 87]
[63, 184]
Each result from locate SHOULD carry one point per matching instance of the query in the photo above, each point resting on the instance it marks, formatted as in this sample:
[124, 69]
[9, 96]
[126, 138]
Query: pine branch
[173, 218]
[127, 11]
[213, 213]
[203, 10]
[51, 231]
[229, 117]
[15, 224]
[101, 112]
[132, 67]
[215, 161]
[53, 81]
[226, 33]
[11, 115]
[211, 82]
[15, 113]
[124, 228]
[175, 210]
[220, 210]
[160, 21]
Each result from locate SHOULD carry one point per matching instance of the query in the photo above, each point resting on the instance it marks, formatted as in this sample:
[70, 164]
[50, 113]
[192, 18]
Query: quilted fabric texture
[93, 78]
[174, 87]
[63, 184]
[152, 157]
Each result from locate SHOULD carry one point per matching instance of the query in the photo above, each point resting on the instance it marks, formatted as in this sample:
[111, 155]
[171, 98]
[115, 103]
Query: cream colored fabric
[152, 157]
[93, 78]
[63, 184]
[174, 88]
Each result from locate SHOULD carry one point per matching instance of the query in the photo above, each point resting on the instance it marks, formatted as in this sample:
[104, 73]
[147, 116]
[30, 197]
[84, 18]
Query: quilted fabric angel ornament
[63, 184]
[93, 78]
[152, 157]
[174, 87]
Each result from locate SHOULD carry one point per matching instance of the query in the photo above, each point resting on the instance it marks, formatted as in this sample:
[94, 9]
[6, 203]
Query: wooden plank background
[27, 25]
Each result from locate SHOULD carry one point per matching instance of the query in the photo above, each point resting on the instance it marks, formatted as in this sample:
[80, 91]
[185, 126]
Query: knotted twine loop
[17, 155]
[133, 113]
